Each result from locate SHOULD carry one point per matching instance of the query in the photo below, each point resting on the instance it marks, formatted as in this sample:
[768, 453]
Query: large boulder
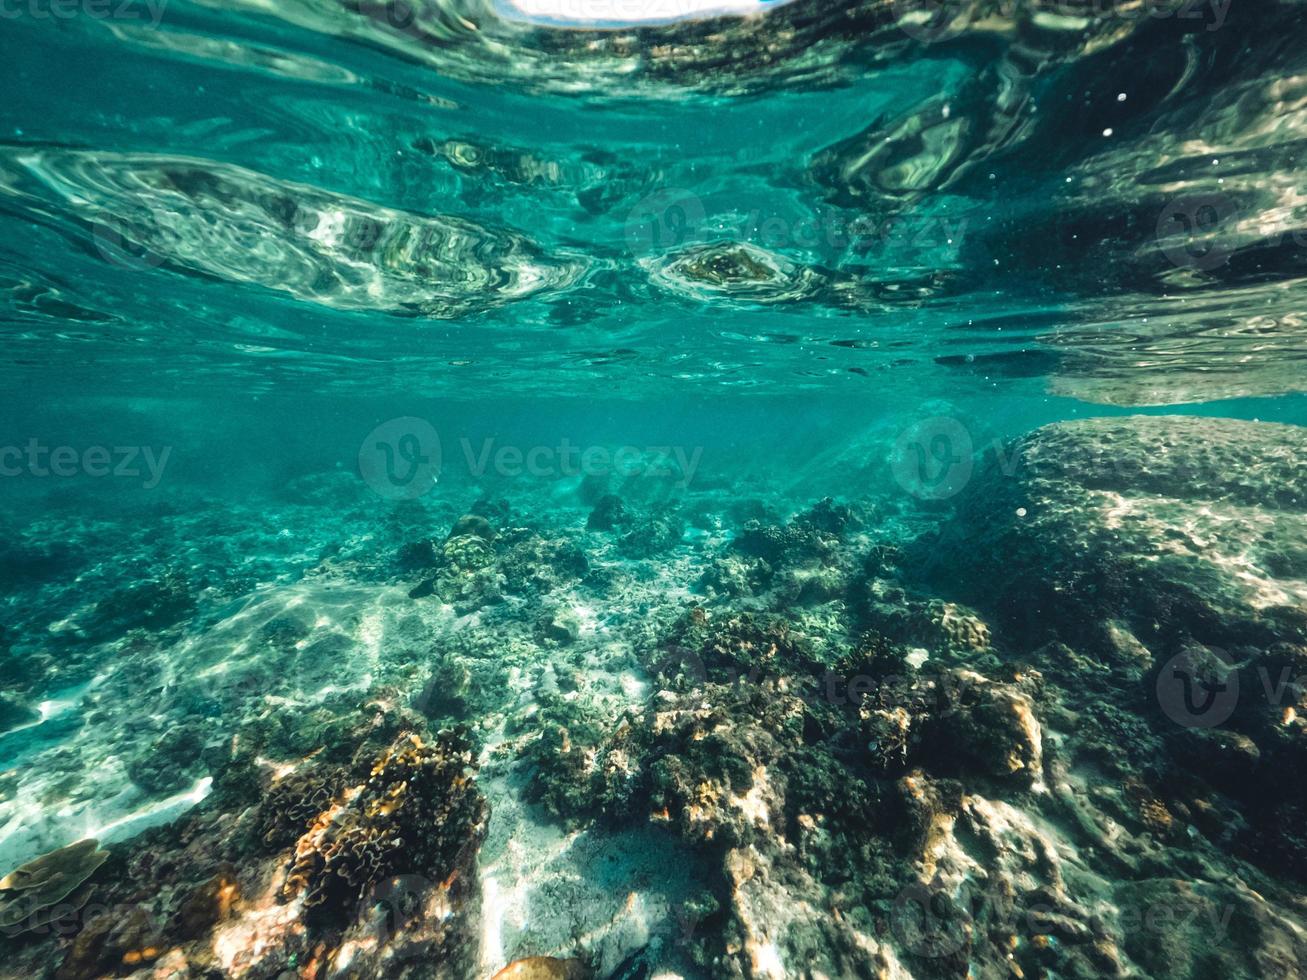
[1154, 569]
[1180, 526]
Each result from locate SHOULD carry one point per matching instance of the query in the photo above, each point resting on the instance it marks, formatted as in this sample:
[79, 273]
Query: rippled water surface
[834, 198]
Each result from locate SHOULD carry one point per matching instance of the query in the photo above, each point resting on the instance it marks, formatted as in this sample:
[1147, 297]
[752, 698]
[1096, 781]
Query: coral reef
[720, 735]
[369, 864]
[414, 814]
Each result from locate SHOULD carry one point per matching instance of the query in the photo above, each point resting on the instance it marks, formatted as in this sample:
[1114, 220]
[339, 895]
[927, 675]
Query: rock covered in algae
[468, 551]
[946, 629]
[640, 533]
[464, 566]
[994, 726]
[153, 605]
[42, 884]
[480, 564]
[608, 513]
[814, 536]
[113, 941]
[1172, 524]
[729, 647]
[1156, 568]
[803, 562]
[558, 627]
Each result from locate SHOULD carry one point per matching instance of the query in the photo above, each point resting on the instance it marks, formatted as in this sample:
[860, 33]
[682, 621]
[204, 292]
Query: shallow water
[812, 482]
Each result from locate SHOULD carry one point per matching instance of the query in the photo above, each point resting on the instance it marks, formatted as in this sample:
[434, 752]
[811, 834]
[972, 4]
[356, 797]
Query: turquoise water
[410, 370]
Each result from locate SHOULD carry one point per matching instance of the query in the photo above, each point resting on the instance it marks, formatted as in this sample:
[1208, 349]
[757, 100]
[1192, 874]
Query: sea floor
[654, 728]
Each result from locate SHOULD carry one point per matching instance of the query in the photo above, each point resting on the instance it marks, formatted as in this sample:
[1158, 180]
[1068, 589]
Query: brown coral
[414, 814]
[293, 803]
[1153, 813]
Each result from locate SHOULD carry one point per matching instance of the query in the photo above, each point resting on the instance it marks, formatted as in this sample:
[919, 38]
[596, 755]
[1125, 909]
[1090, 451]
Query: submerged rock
[416, 556]
[171, 762]
[802, 563]
[538, 563]
[640, 533]
[155, 604]
[1155, 569]
[473, 524]
[957, 722]
[364, 868]
[446, 691]
[1177, 930]
[558, 627]
[735, 576]
[994, 725]
[111, 943]
[609, 512]
[936, 626]
[814, 536]
[1177, 525]
[651, 536]
[468, 552]
[207, 904]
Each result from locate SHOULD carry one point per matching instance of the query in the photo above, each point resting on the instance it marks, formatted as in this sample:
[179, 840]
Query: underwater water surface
[564, 489]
